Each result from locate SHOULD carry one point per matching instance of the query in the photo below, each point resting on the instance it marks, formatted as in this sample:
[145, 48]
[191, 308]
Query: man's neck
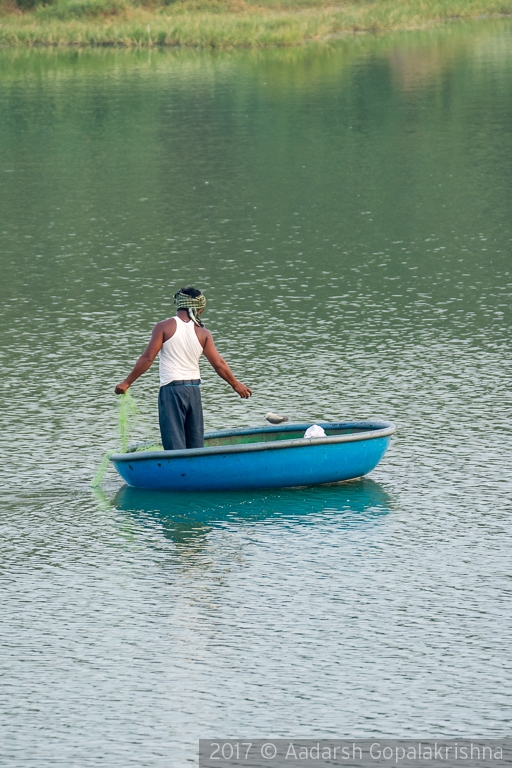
[183, 315]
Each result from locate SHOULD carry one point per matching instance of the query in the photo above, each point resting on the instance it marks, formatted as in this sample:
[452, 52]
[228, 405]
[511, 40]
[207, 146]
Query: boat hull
[284, 464]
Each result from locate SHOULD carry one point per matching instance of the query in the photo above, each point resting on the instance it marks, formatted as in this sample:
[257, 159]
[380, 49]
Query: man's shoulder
[165, 323]
[203, 334]
[165, 329]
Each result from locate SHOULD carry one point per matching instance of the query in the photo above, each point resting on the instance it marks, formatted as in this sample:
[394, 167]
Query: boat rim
[375, 429]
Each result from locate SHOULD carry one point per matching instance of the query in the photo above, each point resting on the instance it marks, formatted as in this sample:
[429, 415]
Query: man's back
[180, 353]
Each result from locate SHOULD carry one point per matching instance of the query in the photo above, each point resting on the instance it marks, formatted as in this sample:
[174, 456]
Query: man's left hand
[242, 390]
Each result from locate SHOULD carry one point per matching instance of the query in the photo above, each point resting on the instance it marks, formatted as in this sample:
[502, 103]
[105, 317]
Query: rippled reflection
[185, 516]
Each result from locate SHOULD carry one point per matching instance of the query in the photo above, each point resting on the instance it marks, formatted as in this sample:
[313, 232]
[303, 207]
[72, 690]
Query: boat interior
[269, 434]
[257, 435]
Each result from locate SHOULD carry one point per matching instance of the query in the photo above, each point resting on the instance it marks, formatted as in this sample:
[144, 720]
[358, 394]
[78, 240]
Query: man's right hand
[242, 390]
[121, 388]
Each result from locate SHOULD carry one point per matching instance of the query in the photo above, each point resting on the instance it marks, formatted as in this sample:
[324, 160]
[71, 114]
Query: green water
[346, 210]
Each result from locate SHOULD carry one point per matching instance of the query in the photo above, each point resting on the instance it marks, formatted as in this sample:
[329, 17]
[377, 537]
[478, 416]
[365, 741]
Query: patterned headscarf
[191, 304]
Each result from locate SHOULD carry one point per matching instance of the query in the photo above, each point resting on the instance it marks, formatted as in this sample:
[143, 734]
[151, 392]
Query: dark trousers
[180, 413]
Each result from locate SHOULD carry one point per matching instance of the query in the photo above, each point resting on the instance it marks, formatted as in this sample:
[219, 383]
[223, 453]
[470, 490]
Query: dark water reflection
[347, 211]
[187, 516]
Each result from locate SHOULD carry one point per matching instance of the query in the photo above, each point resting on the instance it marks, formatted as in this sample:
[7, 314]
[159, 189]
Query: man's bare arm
[222, 368]
[145, 361]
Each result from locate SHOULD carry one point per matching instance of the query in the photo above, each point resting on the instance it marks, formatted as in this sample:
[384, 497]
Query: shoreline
[229, 27]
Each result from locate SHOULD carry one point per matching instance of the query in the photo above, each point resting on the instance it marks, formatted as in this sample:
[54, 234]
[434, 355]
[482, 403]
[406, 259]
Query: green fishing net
[128, 416]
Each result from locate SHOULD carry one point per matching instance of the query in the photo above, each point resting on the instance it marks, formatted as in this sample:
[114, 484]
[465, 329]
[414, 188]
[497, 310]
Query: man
[179, 342]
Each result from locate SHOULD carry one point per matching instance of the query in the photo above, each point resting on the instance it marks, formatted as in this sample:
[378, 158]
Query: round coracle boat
[260, 457]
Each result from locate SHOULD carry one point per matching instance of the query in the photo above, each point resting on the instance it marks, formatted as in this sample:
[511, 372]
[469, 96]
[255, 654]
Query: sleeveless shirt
[179, 356]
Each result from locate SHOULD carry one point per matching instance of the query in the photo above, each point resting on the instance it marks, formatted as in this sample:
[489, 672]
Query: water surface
[347, 211]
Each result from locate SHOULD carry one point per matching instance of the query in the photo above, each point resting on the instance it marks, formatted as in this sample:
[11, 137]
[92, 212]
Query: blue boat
[261, 457]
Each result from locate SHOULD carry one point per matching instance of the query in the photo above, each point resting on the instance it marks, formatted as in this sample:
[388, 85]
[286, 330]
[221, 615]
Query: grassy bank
[224, 23]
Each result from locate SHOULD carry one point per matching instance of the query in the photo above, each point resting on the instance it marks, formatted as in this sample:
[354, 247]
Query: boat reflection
[187, 515]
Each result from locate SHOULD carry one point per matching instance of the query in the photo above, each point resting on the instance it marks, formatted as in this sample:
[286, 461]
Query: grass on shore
[224, 23]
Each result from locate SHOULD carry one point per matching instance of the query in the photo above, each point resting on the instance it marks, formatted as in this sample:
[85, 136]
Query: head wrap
[191, 304]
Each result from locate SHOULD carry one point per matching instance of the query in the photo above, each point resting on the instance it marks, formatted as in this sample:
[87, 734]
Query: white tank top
[179, 356]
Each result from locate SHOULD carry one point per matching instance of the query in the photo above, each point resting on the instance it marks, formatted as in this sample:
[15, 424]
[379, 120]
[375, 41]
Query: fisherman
[179, 342]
